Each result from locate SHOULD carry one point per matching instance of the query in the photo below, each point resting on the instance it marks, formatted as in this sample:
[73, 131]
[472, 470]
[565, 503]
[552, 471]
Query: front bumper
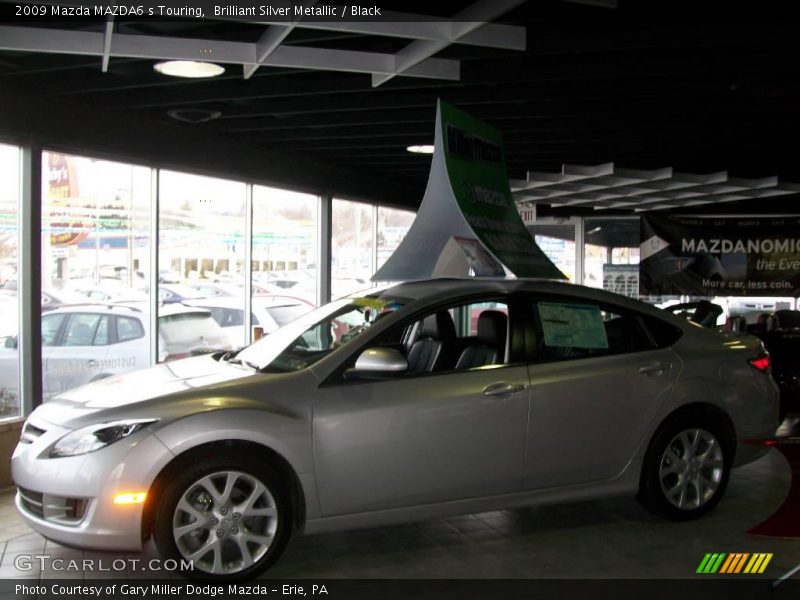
[129, 465]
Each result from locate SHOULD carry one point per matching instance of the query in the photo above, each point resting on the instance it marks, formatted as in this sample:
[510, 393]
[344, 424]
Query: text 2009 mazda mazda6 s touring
[424, 399]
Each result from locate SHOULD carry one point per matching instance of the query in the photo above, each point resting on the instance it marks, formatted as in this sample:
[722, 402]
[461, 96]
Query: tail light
[761, 362]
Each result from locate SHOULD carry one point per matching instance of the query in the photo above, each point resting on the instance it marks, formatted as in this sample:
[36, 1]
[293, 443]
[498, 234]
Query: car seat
[432, 348]
[491, 342]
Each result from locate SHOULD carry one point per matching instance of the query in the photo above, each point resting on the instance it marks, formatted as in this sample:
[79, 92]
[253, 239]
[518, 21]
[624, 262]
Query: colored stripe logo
[734, 563]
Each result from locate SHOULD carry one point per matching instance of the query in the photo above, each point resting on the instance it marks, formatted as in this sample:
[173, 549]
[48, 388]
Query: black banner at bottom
[418, 589]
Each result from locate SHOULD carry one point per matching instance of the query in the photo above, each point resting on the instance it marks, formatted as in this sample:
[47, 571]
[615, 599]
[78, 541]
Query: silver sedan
[420, 400]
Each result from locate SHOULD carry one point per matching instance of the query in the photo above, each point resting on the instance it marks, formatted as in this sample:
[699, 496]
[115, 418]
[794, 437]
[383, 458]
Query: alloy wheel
[225, 522]
[691, 469]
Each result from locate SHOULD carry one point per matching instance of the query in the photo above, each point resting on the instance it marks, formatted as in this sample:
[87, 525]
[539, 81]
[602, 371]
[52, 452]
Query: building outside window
[9, 281]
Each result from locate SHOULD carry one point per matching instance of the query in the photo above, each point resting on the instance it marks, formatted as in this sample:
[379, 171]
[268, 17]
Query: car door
[80, 352]
[421, 438]
[597, 382]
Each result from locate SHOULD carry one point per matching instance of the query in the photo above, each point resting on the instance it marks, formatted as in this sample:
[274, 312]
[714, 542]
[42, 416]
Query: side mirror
[376, 361]
[11, 341]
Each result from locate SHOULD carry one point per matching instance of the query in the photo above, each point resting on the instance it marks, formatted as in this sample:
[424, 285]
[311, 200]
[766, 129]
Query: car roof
[444, 288]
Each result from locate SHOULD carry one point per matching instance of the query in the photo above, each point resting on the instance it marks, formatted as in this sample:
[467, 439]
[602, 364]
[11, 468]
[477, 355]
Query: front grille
[59, 509]
[30, 433]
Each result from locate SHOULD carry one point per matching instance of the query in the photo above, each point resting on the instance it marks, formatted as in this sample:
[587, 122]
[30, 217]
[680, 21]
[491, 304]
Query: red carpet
[785, 522]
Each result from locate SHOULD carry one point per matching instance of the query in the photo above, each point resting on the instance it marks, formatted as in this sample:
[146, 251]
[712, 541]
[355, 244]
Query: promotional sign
[468, 198]
[700, 256]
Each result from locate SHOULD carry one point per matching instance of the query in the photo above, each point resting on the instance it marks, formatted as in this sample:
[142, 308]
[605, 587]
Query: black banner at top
[700, 256]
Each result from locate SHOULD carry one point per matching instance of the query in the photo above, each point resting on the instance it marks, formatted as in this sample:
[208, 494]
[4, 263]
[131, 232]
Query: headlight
[94, 437]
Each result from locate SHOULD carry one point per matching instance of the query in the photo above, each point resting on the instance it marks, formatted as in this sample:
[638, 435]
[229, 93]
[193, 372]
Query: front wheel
[228, 516]
[686, 469]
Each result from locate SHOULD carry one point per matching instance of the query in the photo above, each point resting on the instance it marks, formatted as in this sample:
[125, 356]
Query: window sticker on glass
[572, 325]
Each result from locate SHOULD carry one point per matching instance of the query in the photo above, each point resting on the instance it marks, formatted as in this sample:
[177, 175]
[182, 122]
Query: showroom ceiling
[647, 84]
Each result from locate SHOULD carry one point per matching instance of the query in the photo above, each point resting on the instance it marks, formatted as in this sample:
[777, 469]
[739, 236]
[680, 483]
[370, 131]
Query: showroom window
[352, 247]
[95, 251]
[9, 273]
[393, 225]
[284, 244]
[557, 241]
[201, 243]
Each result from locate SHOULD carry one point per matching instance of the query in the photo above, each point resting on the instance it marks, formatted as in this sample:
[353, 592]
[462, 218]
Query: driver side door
[421, 438]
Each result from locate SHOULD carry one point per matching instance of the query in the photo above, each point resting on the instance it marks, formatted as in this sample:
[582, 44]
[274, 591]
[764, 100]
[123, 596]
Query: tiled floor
[599, 539]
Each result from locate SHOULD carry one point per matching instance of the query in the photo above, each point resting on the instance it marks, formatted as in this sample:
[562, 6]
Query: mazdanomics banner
[701, 256]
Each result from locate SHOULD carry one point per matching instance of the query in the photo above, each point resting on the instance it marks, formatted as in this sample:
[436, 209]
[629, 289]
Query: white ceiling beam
[413, 27]
[468, 20]
[271, 39]
[240, 53]
[107, 43]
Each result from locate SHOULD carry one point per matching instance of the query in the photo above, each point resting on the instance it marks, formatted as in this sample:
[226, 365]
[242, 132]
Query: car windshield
[314, 335]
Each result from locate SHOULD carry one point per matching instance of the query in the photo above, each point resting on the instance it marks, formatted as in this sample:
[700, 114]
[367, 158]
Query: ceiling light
[189, 68]
[423, 149]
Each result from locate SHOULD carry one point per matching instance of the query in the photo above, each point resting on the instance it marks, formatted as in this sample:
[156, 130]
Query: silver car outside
[234, 456]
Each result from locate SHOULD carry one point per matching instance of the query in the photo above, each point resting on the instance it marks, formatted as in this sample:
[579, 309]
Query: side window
[50, 326]
[455, 338]
[80, 329]
[128, 329]
[569, 329]
[101, 335]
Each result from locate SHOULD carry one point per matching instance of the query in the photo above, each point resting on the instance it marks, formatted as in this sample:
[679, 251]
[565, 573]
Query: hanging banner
[700, 256]
[468, 223]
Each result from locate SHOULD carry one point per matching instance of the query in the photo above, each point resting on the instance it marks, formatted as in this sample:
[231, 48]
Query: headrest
[786, 319]
[763, 318]
[736, 323]
[439, 326]
[492, 325]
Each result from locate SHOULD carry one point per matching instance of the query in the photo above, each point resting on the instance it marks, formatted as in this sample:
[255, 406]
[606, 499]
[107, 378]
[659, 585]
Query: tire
[240, 513]
[686, 468]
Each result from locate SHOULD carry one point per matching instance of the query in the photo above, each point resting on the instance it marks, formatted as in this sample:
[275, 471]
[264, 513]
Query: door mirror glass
[381, 360]
[11, 341]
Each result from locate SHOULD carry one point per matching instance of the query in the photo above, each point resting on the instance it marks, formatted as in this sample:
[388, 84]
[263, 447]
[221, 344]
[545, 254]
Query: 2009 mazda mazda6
[420, 400]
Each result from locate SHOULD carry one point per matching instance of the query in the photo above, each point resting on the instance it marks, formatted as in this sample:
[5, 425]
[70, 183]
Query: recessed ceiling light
[189, 68]
[422, 149]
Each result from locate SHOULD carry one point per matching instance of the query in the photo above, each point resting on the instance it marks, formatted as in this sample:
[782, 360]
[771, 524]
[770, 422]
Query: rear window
[664, 334]
[287, 314]
[186, 328]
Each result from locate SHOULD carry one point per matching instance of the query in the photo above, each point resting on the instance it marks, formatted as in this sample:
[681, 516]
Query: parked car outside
[270, 313]
[562, 393]
[88, 342]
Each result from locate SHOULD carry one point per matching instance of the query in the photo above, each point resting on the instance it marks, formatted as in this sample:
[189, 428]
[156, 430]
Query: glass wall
[9, 273]
[352, 247]
[95, 269]
[393, 225]
[284, 244]
[611, 255]
[201, 264]
[557, 241]
[97, 251]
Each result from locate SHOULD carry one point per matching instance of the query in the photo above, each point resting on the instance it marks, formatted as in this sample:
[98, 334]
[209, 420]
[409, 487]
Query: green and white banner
[467, 222]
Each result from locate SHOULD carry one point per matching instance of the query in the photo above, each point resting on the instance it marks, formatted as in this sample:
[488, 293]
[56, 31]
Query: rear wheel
[686, 468]
[228, 516]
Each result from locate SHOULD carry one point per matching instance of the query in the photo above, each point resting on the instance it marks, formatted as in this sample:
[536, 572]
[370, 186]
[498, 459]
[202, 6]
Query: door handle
[503, 389]
[92, 363]
[656, 368]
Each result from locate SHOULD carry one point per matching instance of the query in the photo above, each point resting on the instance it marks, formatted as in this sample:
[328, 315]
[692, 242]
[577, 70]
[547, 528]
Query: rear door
[597, 382]
[79, 353]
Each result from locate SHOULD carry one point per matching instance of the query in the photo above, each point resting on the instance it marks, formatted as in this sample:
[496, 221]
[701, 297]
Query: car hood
[174, 379]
